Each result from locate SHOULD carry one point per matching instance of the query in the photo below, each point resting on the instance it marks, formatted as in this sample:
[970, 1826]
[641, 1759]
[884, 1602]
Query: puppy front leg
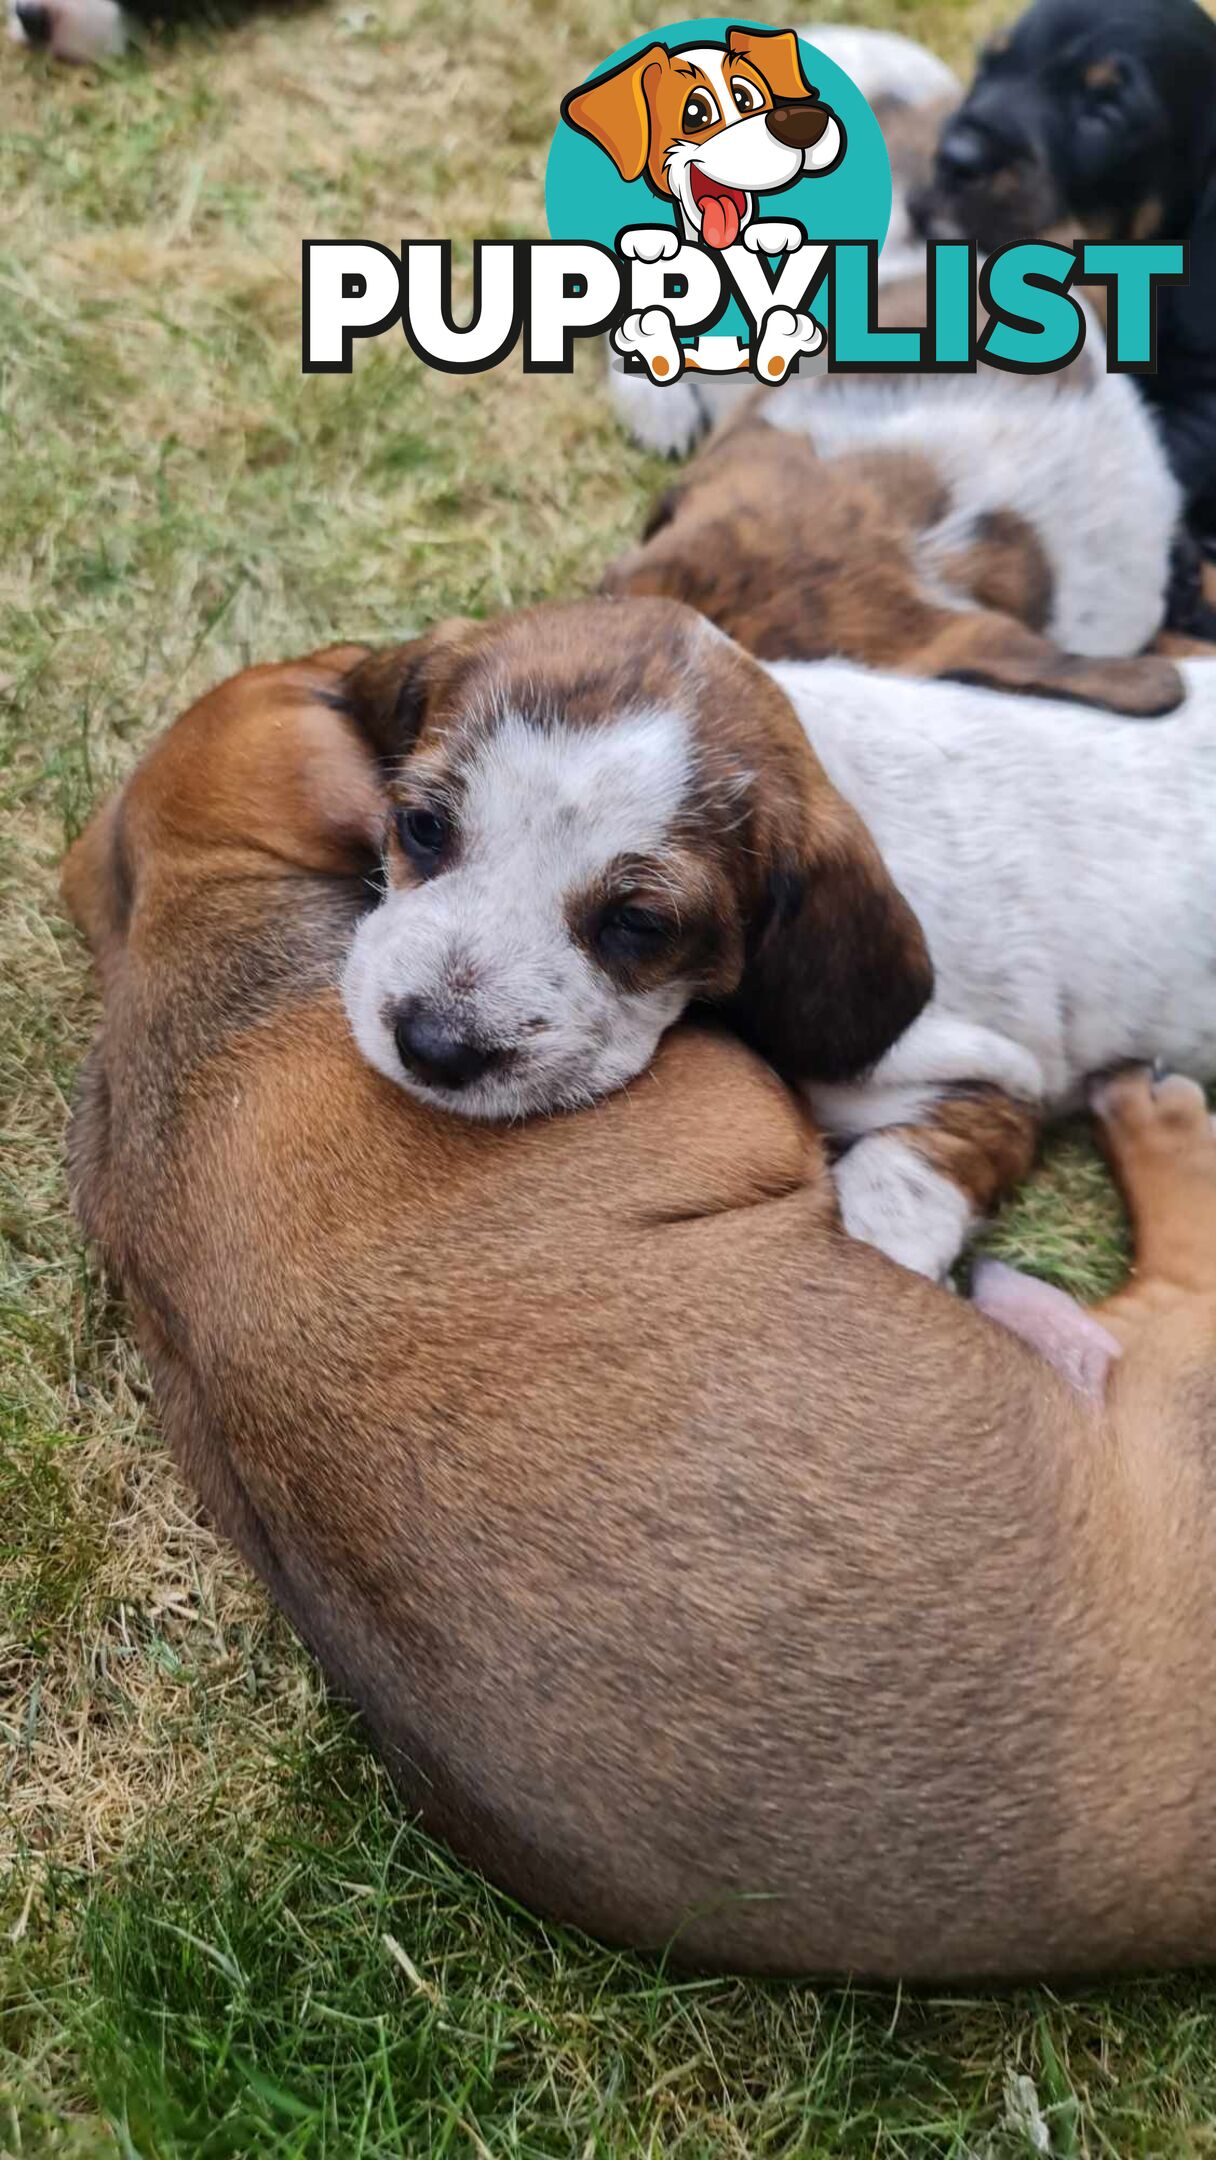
[917, 1189]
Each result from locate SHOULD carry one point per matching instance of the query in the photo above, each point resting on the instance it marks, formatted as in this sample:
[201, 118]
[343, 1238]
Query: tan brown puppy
[707, 1580]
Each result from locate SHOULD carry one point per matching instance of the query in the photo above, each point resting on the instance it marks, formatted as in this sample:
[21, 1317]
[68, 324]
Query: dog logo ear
[776, 55]
[837, 963]
[614, 110]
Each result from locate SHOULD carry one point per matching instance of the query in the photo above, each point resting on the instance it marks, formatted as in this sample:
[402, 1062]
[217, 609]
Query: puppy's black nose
[35, 20]
[435, 1051]
[964, 153]
[799, 125]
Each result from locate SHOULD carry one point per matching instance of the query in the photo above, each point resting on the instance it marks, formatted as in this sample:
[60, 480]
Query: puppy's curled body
[708, 1582]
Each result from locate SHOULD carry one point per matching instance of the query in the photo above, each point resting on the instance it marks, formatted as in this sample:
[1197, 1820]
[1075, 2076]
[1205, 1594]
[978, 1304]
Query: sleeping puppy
[1101, 115]
[893, 522]
[605, 811]
[708, 1583]
[601, 813]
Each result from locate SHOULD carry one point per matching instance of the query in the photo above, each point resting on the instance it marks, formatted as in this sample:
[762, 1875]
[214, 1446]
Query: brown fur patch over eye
[652, 923]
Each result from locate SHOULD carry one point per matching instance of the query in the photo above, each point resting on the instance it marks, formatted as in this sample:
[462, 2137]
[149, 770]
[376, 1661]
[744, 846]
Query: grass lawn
[217, 1934]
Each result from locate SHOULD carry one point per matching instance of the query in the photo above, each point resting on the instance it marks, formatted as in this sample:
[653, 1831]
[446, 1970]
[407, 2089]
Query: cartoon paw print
[774, 236]
[649, 243]
[784, 337]
[651, 334]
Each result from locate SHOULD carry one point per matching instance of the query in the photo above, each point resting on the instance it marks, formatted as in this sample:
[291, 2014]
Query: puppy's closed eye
[627, 932]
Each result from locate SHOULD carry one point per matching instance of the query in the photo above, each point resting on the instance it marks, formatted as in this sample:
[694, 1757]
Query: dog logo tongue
[719, 221]
[721, 209]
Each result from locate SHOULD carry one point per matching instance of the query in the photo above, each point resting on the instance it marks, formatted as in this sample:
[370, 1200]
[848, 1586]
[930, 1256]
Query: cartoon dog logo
[710, 128]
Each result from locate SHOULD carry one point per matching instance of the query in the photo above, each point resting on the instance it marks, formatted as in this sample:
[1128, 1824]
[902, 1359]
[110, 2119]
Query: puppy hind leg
[1159, 1139]
[1161, 1144]
[1002, 654]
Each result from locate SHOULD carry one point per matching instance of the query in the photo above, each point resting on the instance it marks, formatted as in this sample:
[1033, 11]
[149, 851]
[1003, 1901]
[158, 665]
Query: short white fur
[1063, 867]
[545, 811]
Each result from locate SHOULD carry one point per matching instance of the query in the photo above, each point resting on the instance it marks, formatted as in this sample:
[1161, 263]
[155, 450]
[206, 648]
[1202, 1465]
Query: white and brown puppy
[606, 811]
[1021, 535]
[603, 812]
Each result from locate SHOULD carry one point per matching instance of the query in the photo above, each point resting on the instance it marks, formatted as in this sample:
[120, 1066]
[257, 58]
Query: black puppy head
[1100, 111]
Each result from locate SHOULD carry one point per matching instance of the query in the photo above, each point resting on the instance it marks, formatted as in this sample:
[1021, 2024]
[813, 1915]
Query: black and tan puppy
[1099, 116]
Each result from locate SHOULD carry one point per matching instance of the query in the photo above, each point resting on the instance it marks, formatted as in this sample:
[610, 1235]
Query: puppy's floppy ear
[836, 965]
[614, 110]
[775, 53]
[267, 767]
[96, 881]
[388, 692]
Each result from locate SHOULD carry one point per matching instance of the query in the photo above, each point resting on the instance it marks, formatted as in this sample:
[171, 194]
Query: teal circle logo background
[586, 198]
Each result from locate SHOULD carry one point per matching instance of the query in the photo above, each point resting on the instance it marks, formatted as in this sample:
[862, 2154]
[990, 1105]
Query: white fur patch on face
[487, 946]
[743, 155]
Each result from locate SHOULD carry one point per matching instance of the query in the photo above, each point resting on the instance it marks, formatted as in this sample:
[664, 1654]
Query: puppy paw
[784, 338]
[651, 334]
[774, 236]
[892, 1198]
[1148, 1113]
[649, 243]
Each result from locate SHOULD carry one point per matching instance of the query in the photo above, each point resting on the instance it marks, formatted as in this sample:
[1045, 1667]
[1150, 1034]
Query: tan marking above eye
[1103, 75]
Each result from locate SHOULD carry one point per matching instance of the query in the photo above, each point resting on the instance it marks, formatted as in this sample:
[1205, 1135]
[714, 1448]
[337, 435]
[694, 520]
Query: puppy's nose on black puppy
[35, 20]
[964, 153]
[798, 125]
[435, 1051]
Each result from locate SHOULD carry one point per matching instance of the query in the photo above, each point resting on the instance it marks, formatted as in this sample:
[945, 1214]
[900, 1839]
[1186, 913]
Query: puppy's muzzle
[436, 1052]
[798, 126]
[967, 153]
